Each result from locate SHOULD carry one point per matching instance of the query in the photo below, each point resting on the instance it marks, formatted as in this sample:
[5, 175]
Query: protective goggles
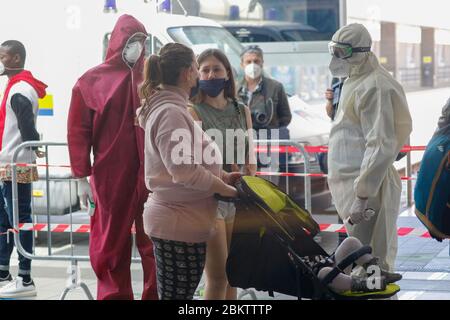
[344, 50]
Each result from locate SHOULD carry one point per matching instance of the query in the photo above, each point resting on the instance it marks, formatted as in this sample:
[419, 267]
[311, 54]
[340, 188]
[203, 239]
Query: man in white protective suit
[371, 126]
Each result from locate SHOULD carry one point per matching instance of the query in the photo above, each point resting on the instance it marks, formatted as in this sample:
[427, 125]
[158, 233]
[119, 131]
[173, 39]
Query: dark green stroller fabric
[271, 237]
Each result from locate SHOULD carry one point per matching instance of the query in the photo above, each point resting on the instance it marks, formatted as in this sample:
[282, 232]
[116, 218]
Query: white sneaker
[5, 281]
[18, 289]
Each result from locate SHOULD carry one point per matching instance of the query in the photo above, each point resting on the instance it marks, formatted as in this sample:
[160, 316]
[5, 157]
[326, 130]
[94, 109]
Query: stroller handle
[225, 199]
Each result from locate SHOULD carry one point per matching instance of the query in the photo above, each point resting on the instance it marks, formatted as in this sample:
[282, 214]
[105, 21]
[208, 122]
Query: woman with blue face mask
[228, 123]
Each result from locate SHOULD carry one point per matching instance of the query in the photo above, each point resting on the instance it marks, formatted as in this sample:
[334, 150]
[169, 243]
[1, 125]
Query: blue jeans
[6, 222]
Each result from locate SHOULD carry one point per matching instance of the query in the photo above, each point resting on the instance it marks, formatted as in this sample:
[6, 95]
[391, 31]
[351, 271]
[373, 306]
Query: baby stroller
[272, 238]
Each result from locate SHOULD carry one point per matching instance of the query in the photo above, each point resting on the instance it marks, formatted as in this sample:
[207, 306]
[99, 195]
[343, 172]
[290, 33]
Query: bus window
[322, 15]
[200, 38]
[106, 39]
[252, 34]
[148, 46]
[157, 45]
[299, 35]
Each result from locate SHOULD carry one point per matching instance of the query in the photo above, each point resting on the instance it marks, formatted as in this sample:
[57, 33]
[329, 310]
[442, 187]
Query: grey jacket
[268, 93]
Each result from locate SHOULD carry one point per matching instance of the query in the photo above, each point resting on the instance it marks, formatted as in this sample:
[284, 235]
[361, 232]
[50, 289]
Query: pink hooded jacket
[181, 207]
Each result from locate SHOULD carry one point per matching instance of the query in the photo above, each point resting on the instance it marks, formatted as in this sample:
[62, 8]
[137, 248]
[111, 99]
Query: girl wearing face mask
[222, 117]
[179, 215]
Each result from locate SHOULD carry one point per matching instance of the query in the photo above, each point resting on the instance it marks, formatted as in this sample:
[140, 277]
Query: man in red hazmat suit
[101, 118]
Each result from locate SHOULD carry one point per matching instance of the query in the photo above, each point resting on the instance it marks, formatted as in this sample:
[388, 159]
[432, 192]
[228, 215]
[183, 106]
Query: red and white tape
[319, 149]
[75, 228]
[292, 174]
[401, 232]
[260, 173]
[85, 228]
[259, 149]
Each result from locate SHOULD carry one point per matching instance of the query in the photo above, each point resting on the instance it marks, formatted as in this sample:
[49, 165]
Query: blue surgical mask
[213, 87]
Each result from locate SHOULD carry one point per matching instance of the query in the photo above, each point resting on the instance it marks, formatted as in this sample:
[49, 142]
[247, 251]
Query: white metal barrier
[74, 281]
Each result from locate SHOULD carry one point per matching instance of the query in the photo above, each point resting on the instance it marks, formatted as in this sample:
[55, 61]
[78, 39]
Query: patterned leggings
[179, 268]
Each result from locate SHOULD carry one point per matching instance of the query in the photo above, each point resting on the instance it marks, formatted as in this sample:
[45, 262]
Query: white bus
[65, 38]
[294, 35]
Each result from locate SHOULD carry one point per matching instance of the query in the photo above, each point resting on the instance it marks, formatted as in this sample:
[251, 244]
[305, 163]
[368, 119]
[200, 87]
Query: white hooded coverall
[371, 126]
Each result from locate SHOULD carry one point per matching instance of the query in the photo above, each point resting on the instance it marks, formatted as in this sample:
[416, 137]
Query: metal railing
[74, 280]
[307, 164]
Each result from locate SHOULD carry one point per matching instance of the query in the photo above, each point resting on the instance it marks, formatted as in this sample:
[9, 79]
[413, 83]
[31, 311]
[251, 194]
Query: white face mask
[253, 71]
[339, 68]
[133, 52]
[3, 69]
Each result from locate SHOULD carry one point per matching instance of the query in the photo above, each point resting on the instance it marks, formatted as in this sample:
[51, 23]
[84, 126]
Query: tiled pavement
[424, 263]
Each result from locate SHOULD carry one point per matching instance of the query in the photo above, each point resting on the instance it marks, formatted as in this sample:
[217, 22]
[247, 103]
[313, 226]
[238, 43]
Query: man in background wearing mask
[101, 118]
[18, 115]
[371, 126]
[265, 97]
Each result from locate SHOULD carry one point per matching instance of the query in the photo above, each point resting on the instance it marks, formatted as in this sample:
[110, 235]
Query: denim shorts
[226, 211]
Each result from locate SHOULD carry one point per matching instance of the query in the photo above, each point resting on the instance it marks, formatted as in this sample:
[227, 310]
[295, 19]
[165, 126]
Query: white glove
[84, 193]
[360, 212]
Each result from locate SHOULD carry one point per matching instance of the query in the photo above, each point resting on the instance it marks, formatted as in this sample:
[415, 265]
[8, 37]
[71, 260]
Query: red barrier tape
[317, 175]
[319, 149]
[85, 228]
[258, 149]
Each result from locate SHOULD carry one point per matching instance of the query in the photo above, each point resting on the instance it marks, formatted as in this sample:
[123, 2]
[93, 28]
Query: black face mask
[213, 87]
[194, 90]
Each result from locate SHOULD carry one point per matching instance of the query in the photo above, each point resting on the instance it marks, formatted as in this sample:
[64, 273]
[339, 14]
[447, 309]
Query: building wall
[429, 13]
[442, 57]
[414, 39]
[396, 26]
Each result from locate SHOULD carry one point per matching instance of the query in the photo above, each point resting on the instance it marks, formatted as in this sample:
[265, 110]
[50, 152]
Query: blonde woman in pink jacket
[182, 170]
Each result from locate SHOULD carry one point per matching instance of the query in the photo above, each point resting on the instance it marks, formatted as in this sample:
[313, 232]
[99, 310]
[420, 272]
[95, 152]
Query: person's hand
[84, 192]
[329, 108]
[231, 178]
[235, 168]
[250, 170]
[359, 211]
[329, 95]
